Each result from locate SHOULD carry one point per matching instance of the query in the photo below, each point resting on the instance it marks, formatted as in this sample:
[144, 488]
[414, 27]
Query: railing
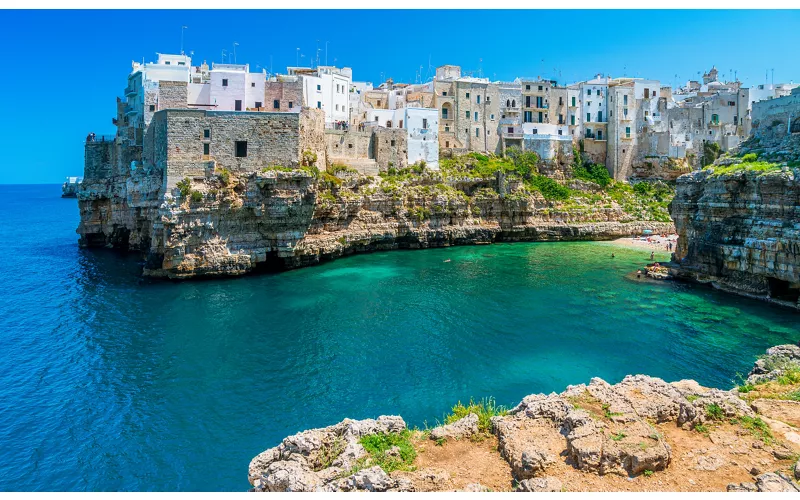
[130, 90]
[512, 135]
[129, 109]
[100, 138]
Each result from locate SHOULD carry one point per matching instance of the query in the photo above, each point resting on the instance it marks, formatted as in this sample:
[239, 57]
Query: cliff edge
[642, 434]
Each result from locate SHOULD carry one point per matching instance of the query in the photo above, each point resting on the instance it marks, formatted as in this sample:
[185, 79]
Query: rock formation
[740, 231]
[580, 439]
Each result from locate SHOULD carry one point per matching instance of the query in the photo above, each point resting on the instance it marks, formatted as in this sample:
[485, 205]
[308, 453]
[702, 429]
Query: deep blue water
[108, 382]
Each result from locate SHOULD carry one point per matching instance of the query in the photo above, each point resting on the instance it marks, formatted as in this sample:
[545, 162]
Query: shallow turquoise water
[111, 383]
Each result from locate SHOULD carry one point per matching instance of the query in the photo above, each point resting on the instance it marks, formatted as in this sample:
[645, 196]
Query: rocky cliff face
[224, 224]
[642, 434]
[740, 231]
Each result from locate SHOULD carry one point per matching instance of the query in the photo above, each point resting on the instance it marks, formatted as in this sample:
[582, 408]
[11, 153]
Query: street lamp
[297, 63]
[182, 28]
[234, 51]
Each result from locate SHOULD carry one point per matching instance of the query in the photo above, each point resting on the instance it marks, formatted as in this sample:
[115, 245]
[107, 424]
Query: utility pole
[326, 52]
[773, 78]
[223, 56]
[297, 63]
[234, 51]
[182, 28]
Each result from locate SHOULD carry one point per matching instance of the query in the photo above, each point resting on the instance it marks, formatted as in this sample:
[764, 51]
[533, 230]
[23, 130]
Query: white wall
[199, 93]
[423, 142]
[225, 97]
[254, 89]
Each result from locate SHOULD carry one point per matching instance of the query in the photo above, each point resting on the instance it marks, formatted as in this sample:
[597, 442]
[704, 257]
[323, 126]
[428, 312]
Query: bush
[749, 157]
[225, 176]
[592, 172]
[309, 158]
[714, 412]
[185, 187]
[549, 188]
[711, 152]
[197, 196]
[338, 168]
[485, 409]
[376, 445]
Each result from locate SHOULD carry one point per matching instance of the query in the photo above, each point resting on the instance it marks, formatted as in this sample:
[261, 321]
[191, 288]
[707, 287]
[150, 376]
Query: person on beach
[612, 255]
[652, 256]
[638, 273]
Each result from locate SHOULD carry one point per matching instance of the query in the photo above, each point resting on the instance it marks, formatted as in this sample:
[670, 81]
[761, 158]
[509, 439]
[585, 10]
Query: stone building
[469, 110]
[188, 142]
[510, 96]
[283, 93]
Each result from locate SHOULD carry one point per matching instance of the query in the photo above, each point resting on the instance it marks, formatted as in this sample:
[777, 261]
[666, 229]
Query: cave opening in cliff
[783, 290]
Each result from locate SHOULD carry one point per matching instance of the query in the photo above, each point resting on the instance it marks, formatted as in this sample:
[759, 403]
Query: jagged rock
[372, 479]
[476, 488]
[549, 407]
[709, 463]
[771, 482]
[314, 459]
[461, 428]
[744, 487]
[797, 470]
[540, 484]
[529, 445]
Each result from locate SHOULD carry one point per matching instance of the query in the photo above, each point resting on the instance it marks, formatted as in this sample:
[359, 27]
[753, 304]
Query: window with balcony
[599, 135]
[540, 117]
[599, 116]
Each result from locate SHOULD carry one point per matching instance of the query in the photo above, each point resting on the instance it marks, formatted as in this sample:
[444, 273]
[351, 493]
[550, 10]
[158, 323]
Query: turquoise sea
[110, 382]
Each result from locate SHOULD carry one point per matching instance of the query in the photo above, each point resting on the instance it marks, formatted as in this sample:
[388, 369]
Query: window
[560, 100]
[241, 149]
[467, 95]
[588, 117]
[252, 84]
[527, 87]
[467, 114]
[491, 117]
[535, 131]
[599, 116]
[291, 104]
[477, 132]
[598, 91]
[510, 130]
[572, 120]
[444, 113]
[540, 88]
[715, 119]
[731, 103]
[508, 103]
[625, 99]
[588, 91]
[540, 102]
[349, 146]
[625, 111]
[399, 125]
[392, 143]
[447, 144]
[379, 102]
[560, 119]
[319, 104]
[540, 117]
[337, 88]
[276, 104]
[513, 103]
[447, 128]
[224, 82]
[528, 117]
[206, 148]
[444, 94]
[181, 64]
[573, 101]
[237, 105]
[319, 87]
[627, 133]
[152, 107]
[207, 133]
[647, 93]
[527, 101]
[599, 135]
[477, 99]
[560, 132]
[424, 123]
[167, 63]
[476, 116]
[258, 104]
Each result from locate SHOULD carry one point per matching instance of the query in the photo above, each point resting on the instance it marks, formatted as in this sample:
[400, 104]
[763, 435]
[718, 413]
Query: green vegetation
[549, 188]
[197, 196]
[648, 473]
[793, 396]
[749, 158]
[618, 436]
[308, 158]
[328, 453]
[791, 375]
[711, 152]
[224, 176]
[762, 167]
[485, 409]
[329, 181]
[338, 168]
[702, 429]
[607, 411]
[757, 428]
[418, 213]
[185, 187]
[277, 168]
[592, 172]
[377, 446]
[715, 412]
[692, 398]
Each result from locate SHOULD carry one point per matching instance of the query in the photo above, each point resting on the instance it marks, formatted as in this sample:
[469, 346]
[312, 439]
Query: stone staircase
[365, 166]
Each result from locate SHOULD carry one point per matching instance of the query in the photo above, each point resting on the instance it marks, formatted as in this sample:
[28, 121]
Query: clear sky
[63, 69]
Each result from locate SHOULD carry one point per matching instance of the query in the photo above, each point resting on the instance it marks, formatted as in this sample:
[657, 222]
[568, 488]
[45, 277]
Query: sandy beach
[654, 242]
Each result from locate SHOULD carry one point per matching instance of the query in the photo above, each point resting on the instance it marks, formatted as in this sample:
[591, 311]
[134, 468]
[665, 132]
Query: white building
[233, 88]
[594, 107]
[327, 88]
[422, 129]
[143, 85]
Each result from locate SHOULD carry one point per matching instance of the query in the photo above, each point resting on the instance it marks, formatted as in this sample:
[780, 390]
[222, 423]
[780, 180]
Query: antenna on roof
[182, 28]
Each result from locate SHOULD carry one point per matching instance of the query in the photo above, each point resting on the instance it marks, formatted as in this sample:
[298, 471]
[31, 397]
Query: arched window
[388, 123]
[508, 103]
[513, 103]
[444, 112]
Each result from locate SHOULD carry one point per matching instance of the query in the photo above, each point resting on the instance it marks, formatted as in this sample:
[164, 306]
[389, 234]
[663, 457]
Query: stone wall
[312, 134]
[100, 159]
[391, 147]
[286, 93]
[173, 95]
[349, 144]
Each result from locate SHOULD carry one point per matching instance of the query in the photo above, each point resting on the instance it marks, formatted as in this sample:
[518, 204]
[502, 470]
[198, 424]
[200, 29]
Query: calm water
[110, 383]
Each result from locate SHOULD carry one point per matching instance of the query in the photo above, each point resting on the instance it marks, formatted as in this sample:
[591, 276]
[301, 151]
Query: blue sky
[63, 69]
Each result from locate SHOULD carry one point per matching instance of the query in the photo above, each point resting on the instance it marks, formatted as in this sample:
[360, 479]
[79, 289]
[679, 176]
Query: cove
[112, 383]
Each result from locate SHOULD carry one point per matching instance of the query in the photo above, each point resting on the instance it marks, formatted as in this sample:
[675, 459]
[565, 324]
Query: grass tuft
[377, 445]
[486, 408]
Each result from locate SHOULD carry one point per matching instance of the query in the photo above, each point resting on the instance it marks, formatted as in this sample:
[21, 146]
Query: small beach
[656, 242]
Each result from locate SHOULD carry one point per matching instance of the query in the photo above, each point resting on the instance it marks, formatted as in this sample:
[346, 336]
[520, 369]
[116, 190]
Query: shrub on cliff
[391, 451]
[549, 188]
[749, 157]
[485, 409]
[185, 187]
[197, 196]
[592, 172]
[338, 168]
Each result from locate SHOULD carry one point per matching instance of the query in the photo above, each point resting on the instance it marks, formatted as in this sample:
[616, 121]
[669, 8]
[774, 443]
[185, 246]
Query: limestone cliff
[739, 229]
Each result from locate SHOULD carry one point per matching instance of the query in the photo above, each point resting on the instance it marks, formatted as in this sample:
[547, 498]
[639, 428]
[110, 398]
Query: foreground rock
[589, 437]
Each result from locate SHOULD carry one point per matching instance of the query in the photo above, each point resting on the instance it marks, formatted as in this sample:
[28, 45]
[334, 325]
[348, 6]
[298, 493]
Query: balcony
[129, 110]
[512, 135]
[129, 91]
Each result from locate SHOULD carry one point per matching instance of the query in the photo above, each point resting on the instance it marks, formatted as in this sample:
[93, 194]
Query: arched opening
[446, 111]
[388, 123]
[513, 103]
[508, 103]
[795, 128]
